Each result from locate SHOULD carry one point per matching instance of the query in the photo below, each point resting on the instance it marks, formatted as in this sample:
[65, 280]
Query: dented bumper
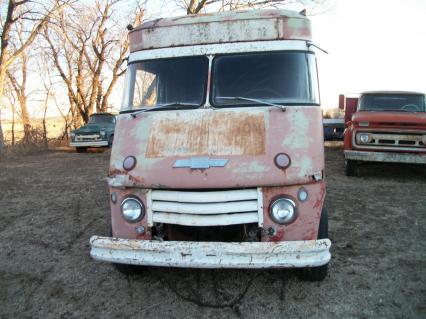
[389, 157]
[288, 254]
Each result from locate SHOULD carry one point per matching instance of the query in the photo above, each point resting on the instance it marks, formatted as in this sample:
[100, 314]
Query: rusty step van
[218, 157]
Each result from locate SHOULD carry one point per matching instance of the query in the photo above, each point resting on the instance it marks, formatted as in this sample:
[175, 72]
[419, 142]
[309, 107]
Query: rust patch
[209, 134]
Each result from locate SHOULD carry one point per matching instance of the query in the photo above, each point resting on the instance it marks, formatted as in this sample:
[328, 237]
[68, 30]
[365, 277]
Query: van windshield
[392, 102]
[287, 78]
[178, 81]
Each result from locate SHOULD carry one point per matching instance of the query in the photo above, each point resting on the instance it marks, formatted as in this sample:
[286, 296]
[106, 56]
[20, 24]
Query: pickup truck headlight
[363, 138]
[132, 210]
[103, 133]
[72, 135]
[283, 211]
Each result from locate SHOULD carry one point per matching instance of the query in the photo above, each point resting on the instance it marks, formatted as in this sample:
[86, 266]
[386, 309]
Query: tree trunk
[2, 80]
[1, 136]
[25, 119]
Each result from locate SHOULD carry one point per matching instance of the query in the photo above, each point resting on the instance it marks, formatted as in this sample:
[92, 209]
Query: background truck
[384, 126]
[98, 132]
[218, 158]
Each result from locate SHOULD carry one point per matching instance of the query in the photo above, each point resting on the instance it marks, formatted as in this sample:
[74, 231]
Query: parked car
[98, 132]
[385, 126]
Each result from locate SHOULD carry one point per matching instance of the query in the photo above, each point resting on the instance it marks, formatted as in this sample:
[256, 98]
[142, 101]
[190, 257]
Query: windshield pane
[158, 82]
[101, 119]
[392, 102]
[279, 77]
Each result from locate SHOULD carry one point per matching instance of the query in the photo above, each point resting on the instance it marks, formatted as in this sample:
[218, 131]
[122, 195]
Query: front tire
[351, 168]
[110, 140]
[126, 269]
[81, 149]
[318, 273]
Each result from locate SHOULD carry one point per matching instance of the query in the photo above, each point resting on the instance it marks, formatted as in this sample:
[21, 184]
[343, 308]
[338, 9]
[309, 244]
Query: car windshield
[101, 119]
[176, 82]
[392, 102]
[287, 78]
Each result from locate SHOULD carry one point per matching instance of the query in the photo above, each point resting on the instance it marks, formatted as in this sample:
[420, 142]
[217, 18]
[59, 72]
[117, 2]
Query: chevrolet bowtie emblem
[200, 163]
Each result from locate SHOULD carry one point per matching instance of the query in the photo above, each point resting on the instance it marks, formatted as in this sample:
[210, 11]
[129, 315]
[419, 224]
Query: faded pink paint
[243, 170]
[224, 27]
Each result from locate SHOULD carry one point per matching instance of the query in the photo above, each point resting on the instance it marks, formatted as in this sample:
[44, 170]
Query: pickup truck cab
[98, 132]
[218, 156]
[387, 126]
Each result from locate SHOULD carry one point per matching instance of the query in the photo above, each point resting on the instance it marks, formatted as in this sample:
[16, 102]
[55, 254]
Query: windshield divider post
[209, 80]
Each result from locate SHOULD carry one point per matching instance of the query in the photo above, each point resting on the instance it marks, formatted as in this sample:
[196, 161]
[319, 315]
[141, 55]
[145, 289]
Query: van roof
[221, 27]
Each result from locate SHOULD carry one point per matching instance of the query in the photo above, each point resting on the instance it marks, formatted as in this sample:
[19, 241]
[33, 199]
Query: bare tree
[88, 49]
[197, 6]
[37, 16]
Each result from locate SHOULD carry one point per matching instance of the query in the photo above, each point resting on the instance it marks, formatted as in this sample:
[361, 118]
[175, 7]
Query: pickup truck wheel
[317, 273]
[81, 149]
[351, 168]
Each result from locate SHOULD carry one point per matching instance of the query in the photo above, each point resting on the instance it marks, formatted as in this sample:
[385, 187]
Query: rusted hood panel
[248, 139]
[395, 119]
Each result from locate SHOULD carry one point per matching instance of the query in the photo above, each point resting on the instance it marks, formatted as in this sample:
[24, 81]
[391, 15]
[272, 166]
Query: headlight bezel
[141, 205]
[360, 135]
[103, 133]
[290, 201]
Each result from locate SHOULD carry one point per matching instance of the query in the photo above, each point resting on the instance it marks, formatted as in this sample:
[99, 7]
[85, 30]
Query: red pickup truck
[384, 126]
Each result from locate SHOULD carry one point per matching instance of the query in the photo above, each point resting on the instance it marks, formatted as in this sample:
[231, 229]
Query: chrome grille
[394, 141]
[210, 208]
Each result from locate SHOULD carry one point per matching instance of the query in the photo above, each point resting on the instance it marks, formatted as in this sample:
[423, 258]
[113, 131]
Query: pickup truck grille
[87, 137]
[209, 208]
[395, 141]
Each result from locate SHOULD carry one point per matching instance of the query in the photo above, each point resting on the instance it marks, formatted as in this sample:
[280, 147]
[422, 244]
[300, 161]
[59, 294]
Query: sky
[372, 45]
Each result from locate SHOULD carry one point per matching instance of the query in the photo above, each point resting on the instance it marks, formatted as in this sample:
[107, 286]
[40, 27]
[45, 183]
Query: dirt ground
[51, 203]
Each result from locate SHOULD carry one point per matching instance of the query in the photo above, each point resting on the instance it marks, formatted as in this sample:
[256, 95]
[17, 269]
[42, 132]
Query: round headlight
[283, 211]
[103, 133]
[72, 134]
[132, 210]
[364, 137]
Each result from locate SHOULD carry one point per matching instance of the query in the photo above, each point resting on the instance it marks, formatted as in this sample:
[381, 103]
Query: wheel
[317, 273]
[110, 140]
[351, 168]
[81, 149]
[126, 269]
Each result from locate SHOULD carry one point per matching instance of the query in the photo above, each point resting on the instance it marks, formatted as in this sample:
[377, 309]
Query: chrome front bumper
[389, 157]
[89, 144]
[187, 254]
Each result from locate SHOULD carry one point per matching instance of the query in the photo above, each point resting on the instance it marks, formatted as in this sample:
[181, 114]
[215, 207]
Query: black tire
[81, 149]
[317, 273]
[351, 168]
[110, 140]
[126, 269]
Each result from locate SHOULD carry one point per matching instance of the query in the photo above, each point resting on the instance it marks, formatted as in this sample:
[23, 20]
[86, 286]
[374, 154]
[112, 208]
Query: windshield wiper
[241, 98]
[163, 106]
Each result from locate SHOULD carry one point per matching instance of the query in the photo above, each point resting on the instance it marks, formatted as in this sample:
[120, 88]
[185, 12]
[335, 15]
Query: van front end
[256, 201]
[218, 156]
